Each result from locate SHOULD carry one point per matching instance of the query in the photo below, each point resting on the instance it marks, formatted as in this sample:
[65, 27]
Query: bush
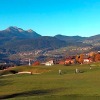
[13, 71]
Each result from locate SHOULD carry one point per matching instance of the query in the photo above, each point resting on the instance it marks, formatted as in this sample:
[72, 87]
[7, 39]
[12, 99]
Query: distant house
[36, 63]
[61, 62]
[49, 63]
[87, 60]
[69, 61]
[66, 62]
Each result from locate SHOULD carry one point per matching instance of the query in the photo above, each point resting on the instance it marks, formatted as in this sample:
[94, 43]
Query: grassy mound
[34, 70]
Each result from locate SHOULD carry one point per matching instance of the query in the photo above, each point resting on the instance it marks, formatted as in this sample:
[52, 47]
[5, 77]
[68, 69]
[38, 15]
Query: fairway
[49, 85]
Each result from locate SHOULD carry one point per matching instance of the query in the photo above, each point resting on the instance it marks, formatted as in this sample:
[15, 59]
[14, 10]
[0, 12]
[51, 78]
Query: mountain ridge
[18, 32]
[17, 39]
[14, 40]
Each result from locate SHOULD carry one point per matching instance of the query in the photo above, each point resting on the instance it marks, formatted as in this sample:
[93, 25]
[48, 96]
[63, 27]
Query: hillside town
[49, 61]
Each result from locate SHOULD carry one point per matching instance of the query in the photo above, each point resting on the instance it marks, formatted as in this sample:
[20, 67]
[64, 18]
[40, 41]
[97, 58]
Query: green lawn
[52, 86]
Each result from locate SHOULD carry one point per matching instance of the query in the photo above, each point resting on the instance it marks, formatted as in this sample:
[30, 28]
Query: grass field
[49, 85]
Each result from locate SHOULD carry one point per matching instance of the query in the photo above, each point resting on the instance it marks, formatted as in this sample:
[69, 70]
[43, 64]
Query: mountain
[15, 32]
[14, 39]
[43, 42]
[94, 41]
[70, 38]
[73, 40]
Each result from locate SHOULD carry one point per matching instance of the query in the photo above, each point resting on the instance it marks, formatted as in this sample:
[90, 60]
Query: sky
[52, 17]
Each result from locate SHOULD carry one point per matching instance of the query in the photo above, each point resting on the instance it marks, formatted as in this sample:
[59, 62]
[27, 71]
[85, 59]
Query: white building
[49, 63]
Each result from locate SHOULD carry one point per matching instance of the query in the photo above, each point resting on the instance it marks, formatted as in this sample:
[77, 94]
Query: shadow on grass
[30, 93]
[51, 96]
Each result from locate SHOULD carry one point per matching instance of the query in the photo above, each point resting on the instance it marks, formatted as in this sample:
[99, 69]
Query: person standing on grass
[60, 72]
[76, 71]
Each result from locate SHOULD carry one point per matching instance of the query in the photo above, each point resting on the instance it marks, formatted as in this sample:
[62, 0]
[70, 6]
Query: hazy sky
[51, 17]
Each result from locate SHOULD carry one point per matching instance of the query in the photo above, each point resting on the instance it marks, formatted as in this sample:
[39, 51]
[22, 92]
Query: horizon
[52, 17]
[48, 35]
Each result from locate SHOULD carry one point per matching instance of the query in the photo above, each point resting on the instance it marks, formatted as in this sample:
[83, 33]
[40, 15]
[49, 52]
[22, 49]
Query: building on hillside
[69, 61]
[49, 63]
[87, 60]
[36, 63]
[61, 62]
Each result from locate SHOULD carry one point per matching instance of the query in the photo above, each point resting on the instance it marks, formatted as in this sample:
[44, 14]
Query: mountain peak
[15, 29]
[30, 31]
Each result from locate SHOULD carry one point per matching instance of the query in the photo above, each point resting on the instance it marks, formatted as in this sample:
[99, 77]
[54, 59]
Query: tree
[81, 59]
[97, 57]
[92, 55]
[77, 58]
